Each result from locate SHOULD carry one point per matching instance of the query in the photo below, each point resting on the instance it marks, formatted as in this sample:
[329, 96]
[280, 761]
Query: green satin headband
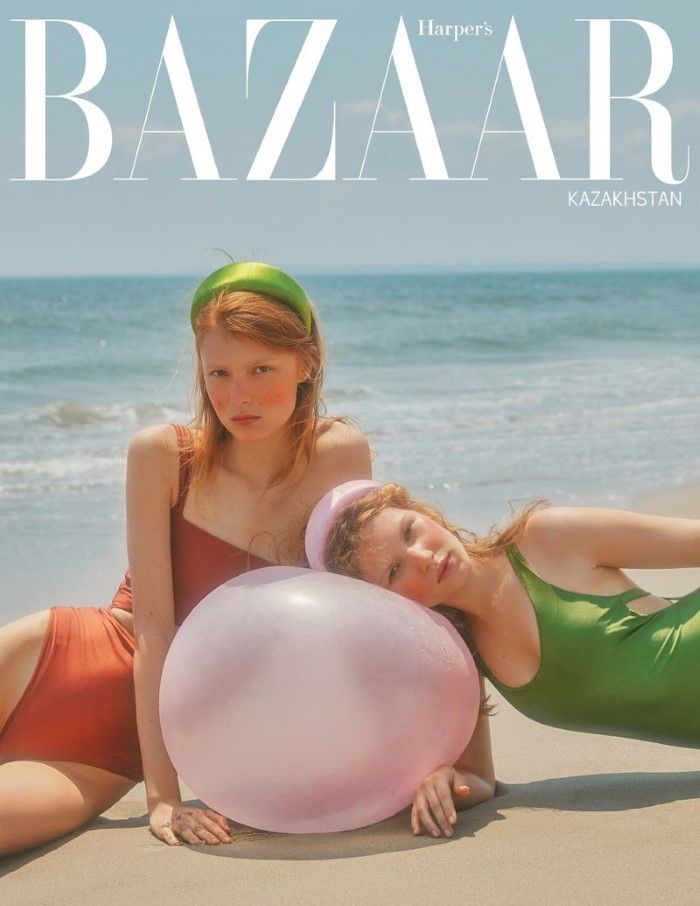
[252, 276]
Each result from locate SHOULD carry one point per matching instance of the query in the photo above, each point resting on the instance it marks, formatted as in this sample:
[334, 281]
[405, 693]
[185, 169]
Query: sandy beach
[577, 819]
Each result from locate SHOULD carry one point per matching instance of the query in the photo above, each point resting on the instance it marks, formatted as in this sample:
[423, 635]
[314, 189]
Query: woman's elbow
[488, 790]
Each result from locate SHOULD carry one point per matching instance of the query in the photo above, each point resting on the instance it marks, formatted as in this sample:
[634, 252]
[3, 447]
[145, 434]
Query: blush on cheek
[218, 401]
[275, 396]
[414, 589]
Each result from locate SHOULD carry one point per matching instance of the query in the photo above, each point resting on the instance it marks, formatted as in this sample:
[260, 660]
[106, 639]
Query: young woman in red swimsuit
[79, 687]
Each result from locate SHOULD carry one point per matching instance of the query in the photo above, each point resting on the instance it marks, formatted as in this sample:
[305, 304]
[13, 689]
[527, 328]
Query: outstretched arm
[617, 538]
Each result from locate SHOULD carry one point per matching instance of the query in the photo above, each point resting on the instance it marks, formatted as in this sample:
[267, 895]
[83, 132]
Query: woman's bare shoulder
[335, 433]
[564, 523]
[341, 452]
[571, 534]
[552, 528]
[547, 518]
[154, 455]
[155, 439]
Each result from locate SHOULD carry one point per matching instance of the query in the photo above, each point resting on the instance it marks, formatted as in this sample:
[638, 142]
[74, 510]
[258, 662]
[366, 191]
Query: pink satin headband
[325, 513]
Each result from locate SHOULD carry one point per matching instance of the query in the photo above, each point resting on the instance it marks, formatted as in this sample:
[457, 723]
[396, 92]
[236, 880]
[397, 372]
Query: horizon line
[350, 270]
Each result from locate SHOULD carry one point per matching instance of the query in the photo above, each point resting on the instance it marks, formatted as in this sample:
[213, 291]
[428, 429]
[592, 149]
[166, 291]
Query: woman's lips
[445, 564]
[244, 419]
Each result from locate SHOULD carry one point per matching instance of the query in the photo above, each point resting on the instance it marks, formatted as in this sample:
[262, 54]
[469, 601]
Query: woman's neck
[257, 464]
[482, 587]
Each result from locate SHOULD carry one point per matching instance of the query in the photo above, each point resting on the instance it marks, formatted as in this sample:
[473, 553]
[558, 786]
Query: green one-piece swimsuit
[606, 669]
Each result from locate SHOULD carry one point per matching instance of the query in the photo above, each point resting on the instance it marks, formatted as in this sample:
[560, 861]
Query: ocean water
[475, 390]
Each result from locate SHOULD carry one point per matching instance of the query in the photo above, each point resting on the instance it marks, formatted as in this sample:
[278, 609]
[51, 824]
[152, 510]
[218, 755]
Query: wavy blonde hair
[261, 318]
[345, 539]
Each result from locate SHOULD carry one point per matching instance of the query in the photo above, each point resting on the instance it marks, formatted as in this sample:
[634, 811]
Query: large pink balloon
[305, 702]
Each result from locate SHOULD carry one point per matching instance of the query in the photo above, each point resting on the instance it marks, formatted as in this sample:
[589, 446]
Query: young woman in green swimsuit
[607, 657]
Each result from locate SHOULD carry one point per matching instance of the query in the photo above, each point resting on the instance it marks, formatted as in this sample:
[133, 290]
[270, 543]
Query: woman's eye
[261, 369]
[393, 572]
[218, 372]
[408, 529]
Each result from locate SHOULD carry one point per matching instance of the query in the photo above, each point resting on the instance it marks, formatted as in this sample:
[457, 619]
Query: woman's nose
[421, 556]
[240, 392]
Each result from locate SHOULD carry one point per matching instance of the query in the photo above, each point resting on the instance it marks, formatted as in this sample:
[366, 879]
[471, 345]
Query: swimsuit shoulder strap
[532, 580]
[517, 561]
[184, 443]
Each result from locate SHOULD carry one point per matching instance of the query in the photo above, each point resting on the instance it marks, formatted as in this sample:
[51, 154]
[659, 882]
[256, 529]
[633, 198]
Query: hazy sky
[104, 225]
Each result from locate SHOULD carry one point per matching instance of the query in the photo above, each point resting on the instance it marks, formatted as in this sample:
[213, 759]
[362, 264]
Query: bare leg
[40, 801]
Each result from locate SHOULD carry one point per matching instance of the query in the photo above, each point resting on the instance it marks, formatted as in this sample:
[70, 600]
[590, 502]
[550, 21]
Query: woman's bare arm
[618, 538]
[152, 476]
[475, 763]
[450, 788]
[152, 488]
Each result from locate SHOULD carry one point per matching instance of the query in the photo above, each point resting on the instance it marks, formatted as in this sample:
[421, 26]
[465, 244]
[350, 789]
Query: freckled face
[412, 555]
[252, 387]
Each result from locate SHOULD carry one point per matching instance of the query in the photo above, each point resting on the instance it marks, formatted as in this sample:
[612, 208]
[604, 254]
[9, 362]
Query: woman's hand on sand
[433, 804]
[175, 823]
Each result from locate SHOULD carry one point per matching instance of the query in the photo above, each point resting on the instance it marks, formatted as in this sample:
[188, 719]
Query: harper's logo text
[429, 28]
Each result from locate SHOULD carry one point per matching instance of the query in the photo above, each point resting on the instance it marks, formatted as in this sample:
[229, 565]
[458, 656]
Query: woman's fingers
[167, 836]
[219, 834]
[440, 801]
[433, 806]
[220, 820]
[430, 814]
[187, 835]
[415, 823]
[195, 826]
[211, 830]
[165, 833]
[425, 817]
[173, 823]
[418, 811]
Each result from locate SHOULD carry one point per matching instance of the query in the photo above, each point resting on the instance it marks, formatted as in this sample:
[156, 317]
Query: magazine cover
[488, 216]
